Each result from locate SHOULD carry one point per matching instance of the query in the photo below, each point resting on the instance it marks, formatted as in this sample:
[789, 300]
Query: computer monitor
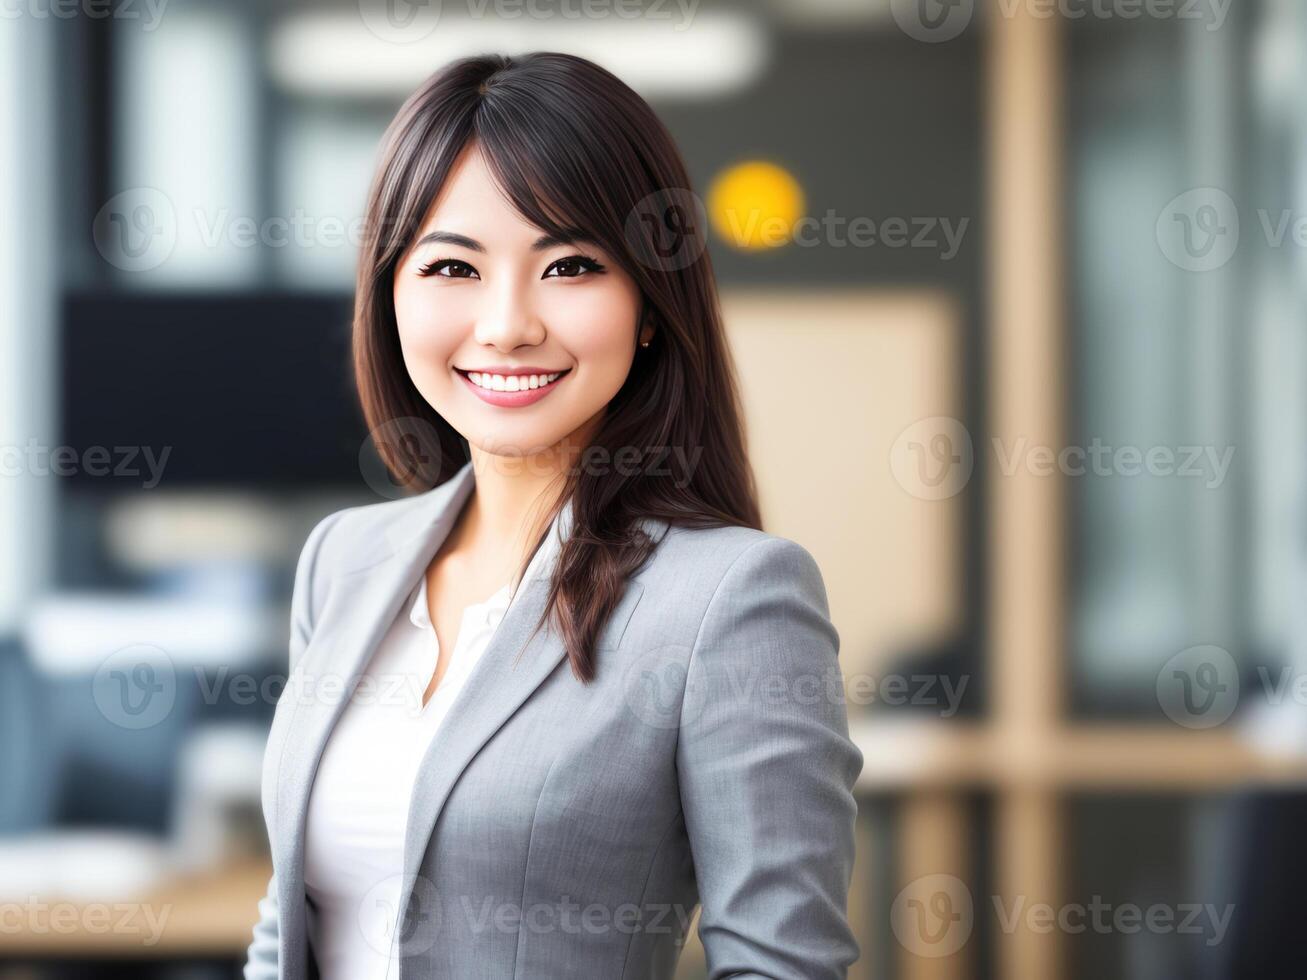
[241, 390]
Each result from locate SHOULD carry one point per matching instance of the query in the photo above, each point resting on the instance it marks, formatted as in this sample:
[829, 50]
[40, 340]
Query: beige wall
[830, 380]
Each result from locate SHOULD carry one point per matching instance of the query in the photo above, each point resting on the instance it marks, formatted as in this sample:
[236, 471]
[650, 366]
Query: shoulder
[358, 536]
[702, 569]
[723, 553]
[352, 539]
[734, 610]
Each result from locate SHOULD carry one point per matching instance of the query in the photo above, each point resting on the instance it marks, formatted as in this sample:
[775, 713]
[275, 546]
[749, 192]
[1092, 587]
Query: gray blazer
[565, 830]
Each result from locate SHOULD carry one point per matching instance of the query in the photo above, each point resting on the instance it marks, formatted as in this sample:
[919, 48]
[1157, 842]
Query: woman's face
[517, 340]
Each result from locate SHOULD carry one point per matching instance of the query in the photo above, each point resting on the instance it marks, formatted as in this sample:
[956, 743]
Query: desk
[201, 915]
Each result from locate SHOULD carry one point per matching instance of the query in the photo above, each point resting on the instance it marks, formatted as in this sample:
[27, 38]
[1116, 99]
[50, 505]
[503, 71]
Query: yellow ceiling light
[754, 205]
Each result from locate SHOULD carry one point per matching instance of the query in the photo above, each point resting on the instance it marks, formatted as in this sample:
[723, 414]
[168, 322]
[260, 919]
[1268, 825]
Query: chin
[512, 445]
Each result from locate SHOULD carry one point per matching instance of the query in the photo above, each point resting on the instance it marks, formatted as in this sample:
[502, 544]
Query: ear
[645, 331]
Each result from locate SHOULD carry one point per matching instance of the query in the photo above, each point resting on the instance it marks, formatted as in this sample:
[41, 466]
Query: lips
[494, 381]
[512, 390]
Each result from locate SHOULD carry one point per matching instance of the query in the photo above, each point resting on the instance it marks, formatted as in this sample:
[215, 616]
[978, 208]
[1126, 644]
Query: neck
[514, 495]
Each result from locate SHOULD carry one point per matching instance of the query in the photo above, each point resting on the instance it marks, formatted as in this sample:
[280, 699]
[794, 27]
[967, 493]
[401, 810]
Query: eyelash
[588, 265]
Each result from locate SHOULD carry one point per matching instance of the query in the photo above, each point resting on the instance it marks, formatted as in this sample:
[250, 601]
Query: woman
[649, 716]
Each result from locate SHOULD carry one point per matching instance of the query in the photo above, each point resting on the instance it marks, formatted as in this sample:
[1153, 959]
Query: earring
[644, 343]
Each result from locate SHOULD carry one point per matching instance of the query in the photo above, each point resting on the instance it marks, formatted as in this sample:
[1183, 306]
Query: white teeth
[512, 382]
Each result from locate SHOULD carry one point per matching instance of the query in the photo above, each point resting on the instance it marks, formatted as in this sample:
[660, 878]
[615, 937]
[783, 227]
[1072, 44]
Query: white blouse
[358, 807]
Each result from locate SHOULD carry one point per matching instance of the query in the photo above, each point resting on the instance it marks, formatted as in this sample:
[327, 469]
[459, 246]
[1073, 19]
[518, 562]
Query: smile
[511, 390]
[512, 382]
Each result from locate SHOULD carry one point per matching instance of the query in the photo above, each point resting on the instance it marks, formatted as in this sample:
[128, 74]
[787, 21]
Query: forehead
[471, 203]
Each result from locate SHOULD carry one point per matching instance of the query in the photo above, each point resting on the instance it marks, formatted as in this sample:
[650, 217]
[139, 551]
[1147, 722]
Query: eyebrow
[539, 245]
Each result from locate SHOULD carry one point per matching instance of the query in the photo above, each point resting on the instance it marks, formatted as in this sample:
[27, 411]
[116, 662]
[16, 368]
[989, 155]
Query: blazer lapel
[362, 605]
[517, 660]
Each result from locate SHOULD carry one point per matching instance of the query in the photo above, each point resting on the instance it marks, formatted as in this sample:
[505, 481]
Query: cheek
[597, 326]
[429, 331]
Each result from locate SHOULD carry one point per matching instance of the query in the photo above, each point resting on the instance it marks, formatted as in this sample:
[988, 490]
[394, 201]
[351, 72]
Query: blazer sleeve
[766, 771]
[261, 959]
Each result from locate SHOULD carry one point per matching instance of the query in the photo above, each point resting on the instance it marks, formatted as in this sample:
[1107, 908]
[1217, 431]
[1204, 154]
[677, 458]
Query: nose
[508, 320]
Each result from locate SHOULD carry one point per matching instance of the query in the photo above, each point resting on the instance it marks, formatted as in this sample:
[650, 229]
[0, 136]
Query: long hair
[579, 154]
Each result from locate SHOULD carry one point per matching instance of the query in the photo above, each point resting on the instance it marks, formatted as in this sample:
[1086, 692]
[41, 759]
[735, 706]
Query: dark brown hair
[580, 155]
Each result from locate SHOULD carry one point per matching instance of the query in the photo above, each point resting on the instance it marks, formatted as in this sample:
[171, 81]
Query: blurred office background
[1029, 385]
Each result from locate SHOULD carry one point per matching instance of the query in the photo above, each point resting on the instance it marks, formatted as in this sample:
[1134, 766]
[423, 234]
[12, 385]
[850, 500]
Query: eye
[448, 269]
[572, 266]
